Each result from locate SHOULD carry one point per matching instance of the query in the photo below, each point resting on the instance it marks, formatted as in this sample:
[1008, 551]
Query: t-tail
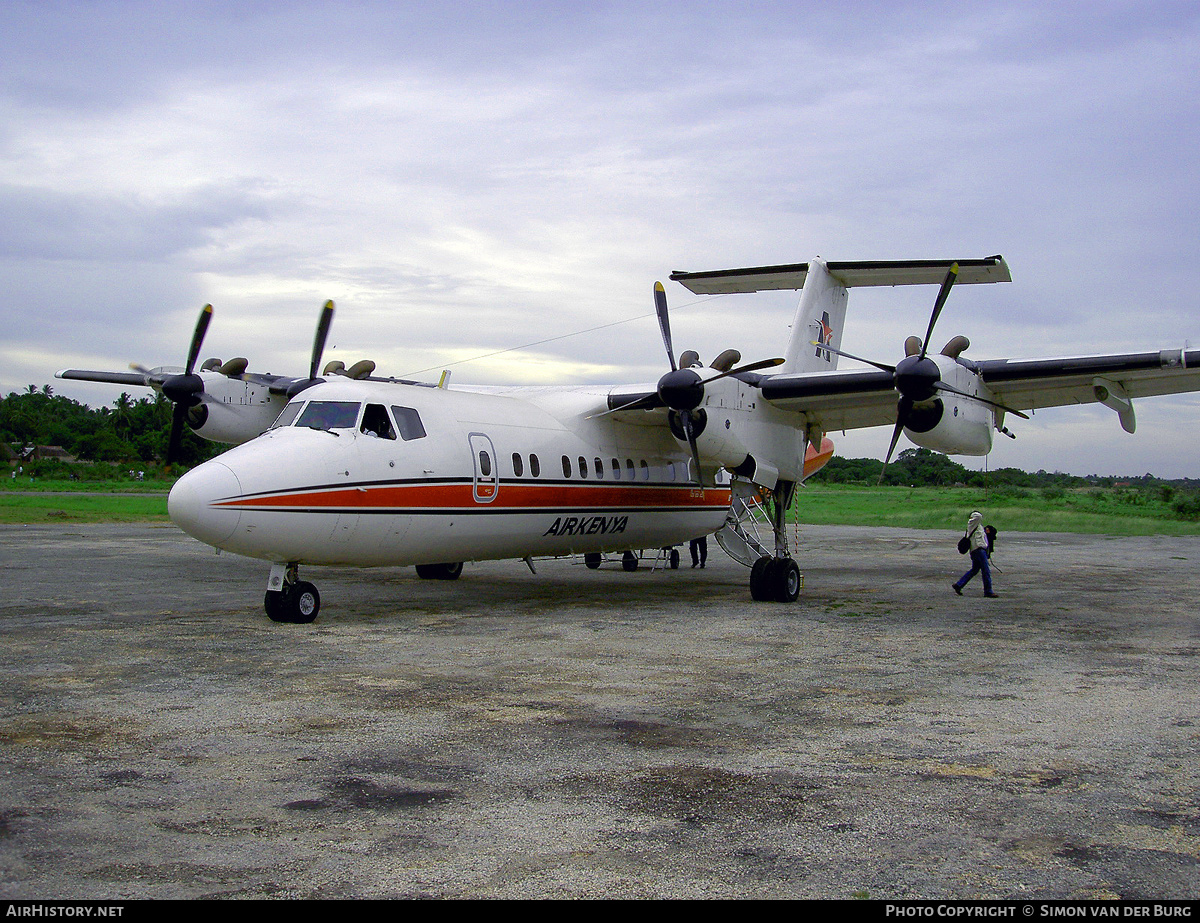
[821, 313]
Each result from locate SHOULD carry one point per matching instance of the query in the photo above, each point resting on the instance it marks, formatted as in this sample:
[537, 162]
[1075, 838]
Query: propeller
[682, 389]
[184, 390]
[916, 377]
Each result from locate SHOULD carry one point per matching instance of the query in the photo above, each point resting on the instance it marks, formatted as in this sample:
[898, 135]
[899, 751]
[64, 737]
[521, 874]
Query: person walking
[977, 537]
[699, 550]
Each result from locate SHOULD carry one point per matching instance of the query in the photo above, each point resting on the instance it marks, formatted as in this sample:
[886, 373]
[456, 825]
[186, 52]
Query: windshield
[329, 415]
[288, 415]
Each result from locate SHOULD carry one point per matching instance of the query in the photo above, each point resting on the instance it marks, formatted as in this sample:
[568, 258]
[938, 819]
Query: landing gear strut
[290, 599]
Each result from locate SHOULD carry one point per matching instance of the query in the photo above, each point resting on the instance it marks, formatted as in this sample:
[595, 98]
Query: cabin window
[375, 422]
[518, 464]
[327, 415]
[616, 470]
[485, 464]
[582, 467]
[599, 468]
[629, 469]
[566, 467]
[535, 466]
[645, 470]
[409, 423]
[288, 415]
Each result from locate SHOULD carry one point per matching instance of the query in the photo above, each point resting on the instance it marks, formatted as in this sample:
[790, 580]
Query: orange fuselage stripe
[510, 496]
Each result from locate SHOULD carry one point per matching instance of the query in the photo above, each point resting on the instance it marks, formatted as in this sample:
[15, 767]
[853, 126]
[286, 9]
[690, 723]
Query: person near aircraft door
[979, 541]
[699, 549]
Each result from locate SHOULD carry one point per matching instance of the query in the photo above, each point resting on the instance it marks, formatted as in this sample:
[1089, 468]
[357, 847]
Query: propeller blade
[685, 420]
[198, 337]
[903, 407]
[879, 365]
[175, 442]
[664, 322]
[942, 386]
[323, 325]
[943, 294]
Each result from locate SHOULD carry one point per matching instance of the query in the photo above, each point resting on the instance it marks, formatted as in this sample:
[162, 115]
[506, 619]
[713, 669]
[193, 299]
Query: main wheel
[760, 586]
[629, 561]
[440, 571]
[674, 559]
[450, 571]
[592, 559]
[785, 578]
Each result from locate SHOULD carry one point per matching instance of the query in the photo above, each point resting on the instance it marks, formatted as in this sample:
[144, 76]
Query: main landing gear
[777, 578]
[290, 599]
[440, 571]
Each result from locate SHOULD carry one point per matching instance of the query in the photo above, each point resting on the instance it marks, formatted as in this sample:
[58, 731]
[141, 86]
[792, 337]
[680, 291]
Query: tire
[440, 571]
[629, 561]
[303, 603]
[297, 604]
[759, 579]
[674, 559]
[785, 580]
[592, 559]
[273, 604]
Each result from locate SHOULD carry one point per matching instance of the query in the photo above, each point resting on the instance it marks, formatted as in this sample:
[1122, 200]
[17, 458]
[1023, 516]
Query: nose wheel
[290, 599]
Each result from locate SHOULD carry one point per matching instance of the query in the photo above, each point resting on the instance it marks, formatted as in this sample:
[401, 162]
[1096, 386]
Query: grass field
[1111, 512]
[1108, 512]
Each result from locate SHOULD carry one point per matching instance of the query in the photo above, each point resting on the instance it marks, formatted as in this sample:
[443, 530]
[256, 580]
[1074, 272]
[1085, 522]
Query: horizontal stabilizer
[878, 272]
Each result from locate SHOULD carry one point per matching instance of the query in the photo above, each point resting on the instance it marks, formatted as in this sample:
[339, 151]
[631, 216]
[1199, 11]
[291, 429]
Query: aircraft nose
[191, 503]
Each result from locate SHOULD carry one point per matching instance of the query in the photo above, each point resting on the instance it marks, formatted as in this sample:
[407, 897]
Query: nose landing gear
[290, 599]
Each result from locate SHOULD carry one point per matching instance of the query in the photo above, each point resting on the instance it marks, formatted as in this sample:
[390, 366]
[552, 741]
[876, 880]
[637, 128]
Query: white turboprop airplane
[369, 472]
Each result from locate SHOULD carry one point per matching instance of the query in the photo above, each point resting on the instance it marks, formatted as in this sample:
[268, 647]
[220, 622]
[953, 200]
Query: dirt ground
[588, 733]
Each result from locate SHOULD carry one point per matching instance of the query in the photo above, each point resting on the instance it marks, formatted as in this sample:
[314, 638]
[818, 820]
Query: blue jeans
[979, 565]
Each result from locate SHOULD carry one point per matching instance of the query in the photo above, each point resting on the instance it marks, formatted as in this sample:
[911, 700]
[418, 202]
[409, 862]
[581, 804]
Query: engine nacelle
[739, 431]
[950, 423]
[233, 411]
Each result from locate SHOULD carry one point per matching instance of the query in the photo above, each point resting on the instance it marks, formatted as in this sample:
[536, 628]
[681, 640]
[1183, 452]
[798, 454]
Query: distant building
[38, 453]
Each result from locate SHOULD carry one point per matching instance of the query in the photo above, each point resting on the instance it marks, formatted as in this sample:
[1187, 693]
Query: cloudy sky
[494, 187]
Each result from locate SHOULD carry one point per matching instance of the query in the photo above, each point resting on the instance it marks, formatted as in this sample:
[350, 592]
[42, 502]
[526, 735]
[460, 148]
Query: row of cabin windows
[582, 468]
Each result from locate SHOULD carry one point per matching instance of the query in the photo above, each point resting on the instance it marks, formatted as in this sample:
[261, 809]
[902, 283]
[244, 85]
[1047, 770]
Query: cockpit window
[329, 415]
[409, 423]
[375, 422]
[288, 415]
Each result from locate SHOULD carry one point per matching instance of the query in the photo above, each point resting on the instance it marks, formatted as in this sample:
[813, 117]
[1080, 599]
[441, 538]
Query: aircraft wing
[854, 399]
[1029, 384]
[136, 379]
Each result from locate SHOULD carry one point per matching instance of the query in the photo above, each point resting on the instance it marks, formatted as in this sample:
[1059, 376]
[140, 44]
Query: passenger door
[486, 483]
